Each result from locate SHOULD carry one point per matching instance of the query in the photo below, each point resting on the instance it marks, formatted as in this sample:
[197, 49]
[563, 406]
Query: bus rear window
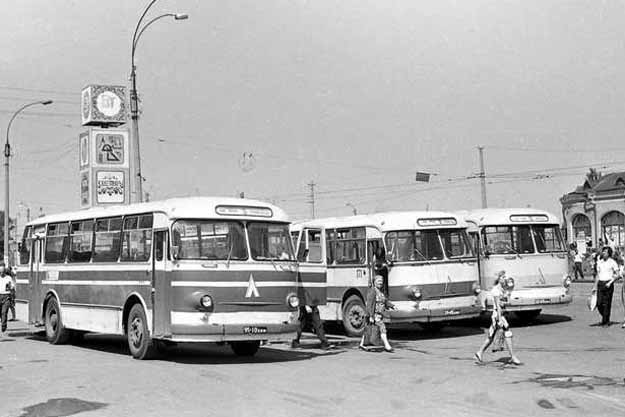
[209, 239]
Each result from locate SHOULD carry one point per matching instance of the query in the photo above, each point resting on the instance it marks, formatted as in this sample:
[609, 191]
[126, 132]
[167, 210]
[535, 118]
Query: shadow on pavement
[197, 353]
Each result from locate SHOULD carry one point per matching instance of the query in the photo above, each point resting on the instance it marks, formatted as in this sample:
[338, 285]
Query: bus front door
[35, 301]
[161, 286]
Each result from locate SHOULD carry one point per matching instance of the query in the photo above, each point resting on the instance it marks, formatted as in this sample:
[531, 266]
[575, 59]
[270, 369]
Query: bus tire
[354, 316]
[528, 315]
[56, 333]
[247, 348]
[139, 341]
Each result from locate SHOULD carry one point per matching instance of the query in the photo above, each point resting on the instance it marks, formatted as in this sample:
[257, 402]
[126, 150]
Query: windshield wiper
[421, 255]
[229, 255]
[513, 250]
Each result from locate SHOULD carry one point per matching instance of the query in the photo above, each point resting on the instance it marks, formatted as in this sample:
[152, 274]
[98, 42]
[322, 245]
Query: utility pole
[482, 176]
[312, 184]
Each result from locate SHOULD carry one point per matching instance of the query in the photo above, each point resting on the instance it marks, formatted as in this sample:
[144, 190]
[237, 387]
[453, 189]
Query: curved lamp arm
[134, 36]
[7, 151]
[176, 16]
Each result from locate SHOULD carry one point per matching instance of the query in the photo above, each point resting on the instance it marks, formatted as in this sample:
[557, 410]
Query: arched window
[613, 226]
[581, 227]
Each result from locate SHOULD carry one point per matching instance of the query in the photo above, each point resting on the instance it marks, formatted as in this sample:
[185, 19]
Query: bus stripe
[226, 284]
[93, 282]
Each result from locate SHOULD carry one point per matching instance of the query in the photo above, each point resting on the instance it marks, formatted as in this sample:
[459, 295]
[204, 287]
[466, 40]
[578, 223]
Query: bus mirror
[175, 251]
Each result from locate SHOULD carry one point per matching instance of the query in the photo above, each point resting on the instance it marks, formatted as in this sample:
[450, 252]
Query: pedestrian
[607, 274]
[6, 284]
[577, 265]
[13, 274]
[500, 293]
[311, 313]
[377, 305]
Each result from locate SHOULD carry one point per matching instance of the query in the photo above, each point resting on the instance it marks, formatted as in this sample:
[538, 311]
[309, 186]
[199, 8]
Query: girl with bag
[377, 305]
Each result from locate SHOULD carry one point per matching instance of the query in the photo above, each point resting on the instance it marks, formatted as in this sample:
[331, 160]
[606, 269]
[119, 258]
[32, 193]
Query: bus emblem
[252, 291]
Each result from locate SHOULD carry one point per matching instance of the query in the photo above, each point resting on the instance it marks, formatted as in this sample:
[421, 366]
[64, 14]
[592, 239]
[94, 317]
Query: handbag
[372, 335]
[592, 301]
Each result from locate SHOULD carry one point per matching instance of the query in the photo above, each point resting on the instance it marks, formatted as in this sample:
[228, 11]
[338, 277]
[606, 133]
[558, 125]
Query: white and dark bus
[432, 270]
[181, 270]
[528, 245]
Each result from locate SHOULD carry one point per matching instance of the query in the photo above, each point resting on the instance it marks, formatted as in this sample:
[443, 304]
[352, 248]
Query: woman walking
[377, 305]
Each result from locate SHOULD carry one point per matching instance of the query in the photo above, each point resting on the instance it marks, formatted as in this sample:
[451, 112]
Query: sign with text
[110, 187]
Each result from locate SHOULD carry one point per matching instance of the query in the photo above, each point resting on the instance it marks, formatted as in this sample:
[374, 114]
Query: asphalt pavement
[571, 367]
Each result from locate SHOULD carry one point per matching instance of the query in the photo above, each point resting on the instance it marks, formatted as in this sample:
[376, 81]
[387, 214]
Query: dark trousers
[577, 268]
[4, 310]
[315, 321]
[604, 300]
[12, 304]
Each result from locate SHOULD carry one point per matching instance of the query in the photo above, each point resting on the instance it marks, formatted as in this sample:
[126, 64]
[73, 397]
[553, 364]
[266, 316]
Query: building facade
[596, 210]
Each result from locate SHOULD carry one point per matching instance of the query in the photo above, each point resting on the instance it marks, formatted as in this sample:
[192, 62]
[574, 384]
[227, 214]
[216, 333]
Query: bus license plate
[254, 330]
[543, 301]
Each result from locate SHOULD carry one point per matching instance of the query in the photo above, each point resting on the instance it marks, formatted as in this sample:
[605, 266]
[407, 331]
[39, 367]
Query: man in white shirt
[577, 266]
[6, 285]
[607, 273]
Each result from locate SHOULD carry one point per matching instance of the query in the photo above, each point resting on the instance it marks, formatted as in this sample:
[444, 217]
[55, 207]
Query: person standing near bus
[317, 325]
[607, 274]
[377, 305]
[500, 293]
[577, 264]
[6, 285]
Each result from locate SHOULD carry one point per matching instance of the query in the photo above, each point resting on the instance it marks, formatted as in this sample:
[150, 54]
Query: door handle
[207, 265]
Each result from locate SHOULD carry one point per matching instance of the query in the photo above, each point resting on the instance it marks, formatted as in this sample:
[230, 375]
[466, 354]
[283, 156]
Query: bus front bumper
[536, 298]
[206, 327]
[445, 309]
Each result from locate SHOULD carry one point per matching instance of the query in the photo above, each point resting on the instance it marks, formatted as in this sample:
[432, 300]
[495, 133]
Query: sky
[353, 95]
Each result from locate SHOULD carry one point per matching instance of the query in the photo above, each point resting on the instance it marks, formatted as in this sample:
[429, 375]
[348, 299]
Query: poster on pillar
[104, 167]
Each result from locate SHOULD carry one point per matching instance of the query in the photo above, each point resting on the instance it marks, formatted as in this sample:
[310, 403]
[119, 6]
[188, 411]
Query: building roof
[596, 183]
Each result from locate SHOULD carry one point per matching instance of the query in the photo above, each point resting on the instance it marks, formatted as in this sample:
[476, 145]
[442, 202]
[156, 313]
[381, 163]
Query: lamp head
[46, 102]
[181, 16]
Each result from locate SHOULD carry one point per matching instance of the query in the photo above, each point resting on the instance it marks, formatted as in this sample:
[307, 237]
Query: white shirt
[4, 282]
[606, 270]
[578, 257]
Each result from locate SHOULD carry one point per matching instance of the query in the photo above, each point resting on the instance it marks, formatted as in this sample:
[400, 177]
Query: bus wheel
[248, 348]
[56, 333]
[354, 316]
[528, 315]
[139, 340]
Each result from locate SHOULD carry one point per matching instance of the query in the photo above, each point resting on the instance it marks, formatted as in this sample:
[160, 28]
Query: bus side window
[137, 238]
[57, 239]
[159, 240]
[330, 247]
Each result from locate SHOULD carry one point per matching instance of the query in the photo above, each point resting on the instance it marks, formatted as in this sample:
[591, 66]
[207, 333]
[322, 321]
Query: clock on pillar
[104, 105]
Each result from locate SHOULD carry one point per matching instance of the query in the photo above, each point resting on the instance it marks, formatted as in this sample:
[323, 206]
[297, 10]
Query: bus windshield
[547, 238]
[414, 245]
[209, 239]
[270, 241]
[456, 243]
[507, 239]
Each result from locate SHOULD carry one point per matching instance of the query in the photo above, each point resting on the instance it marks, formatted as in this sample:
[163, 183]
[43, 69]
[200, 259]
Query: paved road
[570, 369]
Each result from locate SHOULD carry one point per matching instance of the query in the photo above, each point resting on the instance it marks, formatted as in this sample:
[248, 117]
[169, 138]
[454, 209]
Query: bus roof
[387, 221]
[177, 208]
[501, 216]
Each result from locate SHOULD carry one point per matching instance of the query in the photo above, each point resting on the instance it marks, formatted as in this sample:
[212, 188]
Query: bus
[528, 245]
[201, 269]
[431, 268]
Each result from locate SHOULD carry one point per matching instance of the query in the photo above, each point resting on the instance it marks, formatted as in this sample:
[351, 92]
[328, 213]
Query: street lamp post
[7, 155]
[134, 105]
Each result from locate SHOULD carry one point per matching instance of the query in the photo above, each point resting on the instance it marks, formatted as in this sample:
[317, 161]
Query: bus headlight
[292, 300]
[566, 281]
[415, 292]
[476, 288]
[206, 301]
